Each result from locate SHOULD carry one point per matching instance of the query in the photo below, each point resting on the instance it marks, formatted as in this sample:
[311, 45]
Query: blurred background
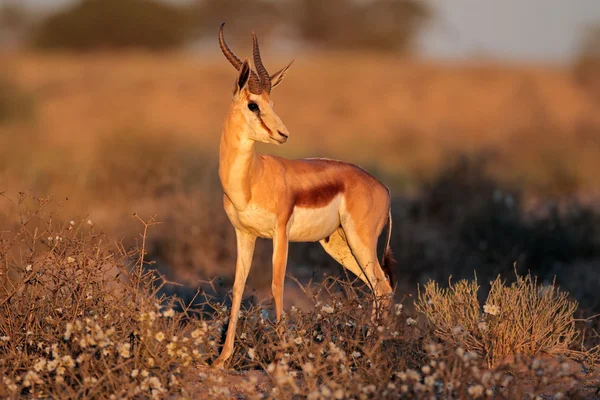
[483, 118]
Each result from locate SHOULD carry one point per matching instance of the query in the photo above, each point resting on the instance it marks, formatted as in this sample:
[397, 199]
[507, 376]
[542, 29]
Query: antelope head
[252, 96]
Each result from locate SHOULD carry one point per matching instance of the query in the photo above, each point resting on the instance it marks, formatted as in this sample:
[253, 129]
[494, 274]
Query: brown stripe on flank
[318, 196]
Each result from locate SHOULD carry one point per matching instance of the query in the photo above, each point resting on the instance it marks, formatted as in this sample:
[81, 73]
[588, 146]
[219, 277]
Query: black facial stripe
[264, 125]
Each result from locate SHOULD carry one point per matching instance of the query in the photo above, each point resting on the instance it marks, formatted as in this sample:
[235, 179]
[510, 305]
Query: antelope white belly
[313, 224]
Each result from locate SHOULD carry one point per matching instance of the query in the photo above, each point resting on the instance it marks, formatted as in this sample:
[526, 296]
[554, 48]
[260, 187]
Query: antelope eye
[252, 106]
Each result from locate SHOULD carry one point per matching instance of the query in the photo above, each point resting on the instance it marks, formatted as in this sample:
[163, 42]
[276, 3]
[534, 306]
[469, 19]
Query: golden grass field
[87, 141]
[402, 117]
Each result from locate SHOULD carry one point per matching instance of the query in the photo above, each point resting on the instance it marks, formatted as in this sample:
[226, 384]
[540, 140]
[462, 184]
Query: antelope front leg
[280, 254]
[245, 250]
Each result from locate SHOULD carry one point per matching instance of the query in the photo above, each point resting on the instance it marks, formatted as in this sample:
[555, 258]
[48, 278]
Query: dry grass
[82, 317]
[403, 120]
[523, 318]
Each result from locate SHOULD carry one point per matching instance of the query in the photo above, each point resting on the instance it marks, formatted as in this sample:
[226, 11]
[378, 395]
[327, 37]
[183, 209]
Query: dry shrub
[332, 349]
[523, 318]
[82, 317]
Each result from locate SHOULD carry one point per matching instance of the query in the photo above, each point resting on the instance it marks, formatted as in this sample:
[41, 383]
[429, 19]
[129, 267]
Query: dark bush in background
[12, 17]
[15, 103]
[384, 25]
[464, 221]
[242, 17]
[114, 24]
[379, 25]
[587, 65]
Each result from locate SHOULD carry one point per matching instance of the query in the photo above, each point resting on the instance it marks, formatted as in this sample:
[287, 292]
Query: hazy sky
[548, 30]
[518, 29]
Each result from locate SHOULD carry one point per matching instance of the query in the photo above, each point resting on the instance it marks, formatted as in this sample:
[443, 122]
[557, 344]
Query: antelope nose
[283, 134]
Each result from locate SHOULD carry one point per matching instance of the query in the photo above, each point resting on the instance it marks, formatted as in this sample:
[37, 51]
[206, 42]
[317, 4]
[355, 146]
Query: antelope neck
[238, 162]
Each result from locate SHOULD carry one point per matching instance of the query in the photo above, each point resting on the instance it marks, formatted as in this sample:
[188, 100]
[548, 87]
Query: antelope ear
[243, 76]
[278, 76]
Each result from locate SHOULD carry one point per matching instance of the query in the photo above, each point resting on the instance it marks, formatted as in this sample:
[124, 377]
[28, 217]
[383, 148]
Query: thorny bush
[80, 317]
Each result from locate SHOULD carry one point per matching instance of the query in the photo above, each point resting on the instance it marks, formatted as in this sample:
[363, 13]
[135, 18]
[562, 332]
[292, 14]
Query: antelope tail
[388, 256]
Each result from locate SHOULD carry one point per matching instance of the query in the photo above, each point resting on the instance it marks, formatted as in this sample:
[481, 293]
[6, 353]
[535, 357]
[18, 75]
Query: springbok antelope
[337, 204]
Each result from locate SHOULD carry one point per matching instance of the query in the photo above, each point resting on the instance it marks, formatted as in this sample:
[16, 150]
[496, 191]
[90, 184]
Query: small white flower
[9, 384]
[307, 368]
[51, 365]
[68, 331]
[70, 259]
[410, 321]
[476, 391]
[68, 361]
[40, 364]
[197, 333]
[491, 309]
[159, 336]
[328, 309]
[72, 223]
[124, 350]
[154, 382]
[89, 222]
[298, 340]
[31, 378]
[29, 267]
[356, 354]
[398, 308]
[251, 353]
[169, 313]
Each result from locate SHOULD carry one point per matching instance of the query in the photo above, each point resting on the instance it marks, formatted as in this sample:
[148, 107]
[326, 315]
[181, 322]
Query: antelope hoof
[218, 364]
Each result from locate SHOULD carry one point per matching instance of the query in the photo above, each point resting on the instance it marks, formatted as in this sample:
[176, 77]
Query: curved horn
[260, 68]
[227, 51]
[254, 83]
